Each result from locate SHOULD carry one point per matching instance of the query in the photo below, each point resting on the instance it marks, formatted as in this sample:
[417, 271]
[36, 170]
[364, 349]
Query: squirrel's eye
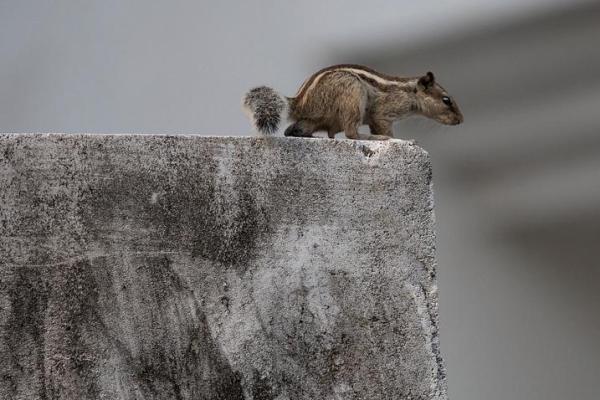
[447, 100]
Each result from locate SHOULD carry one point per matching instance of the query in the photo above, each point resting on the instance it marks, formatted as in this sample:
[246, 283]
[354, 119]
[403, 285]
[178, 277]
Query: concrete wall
[179, 267]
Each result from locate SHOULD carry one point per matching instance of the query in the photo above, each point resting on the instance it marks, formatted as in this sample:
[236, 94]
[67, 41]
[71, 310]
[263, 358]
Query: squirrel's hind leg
[302, 128]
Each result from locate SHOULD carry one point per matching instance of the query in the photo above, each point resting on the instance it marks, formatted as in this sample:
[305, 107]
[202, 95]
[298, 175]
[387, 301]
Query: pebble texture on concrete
[217, 268]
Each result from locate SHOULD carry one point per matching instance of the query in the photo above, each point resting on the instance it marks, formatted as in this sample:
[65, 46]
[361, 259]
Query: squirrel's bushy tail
[265, 107]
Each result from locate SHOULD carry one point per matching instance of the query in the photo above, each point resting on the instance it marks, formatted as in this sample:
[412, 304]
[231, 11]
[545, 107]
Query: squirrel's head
[434, 102]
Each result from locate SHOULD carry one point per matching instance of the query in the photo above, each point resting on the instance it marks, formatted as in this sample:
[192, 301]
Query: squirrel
[343, 97]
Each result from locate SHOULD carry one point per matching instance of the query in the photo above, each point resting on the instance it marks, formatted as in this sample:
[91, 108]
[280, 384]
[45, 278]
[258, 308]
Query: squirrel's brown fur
[343, 97]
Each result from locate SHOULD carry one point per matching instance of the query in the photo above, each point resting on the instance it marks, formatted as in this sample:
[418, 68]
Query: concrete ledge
[185, 267]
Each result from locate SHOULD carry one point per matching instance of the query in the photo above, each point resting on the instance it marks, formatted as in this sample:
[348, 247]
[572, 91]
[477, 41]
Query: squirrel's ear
[427, 80]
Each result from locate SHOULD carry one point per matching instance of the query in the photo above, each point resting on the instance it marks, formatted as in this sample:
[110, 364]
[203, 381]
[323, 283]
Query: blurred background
[517, 185]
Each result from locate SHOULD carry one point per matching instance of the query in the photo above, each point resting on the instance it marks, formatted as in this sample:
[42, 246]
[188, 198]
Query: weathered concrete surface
[161, 267]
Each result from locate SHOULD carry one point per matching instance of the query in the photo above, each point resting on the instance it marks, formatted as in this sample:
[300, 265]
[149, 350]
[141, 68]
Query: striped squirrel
[343, 97]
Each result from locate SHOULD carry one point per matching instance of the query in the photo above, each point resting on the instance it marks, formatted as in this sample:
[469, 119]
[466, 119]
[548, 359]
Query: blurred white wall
[181, 66]
[517, 186]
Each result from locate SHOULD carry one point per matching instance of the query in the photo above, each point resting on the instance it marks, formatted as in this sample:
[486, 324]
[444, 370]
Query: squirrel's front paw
[378, 137]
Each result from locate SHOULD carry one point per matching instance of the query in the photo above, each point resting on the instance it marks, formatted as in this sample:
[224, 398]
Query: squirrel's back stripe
[373, 77]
